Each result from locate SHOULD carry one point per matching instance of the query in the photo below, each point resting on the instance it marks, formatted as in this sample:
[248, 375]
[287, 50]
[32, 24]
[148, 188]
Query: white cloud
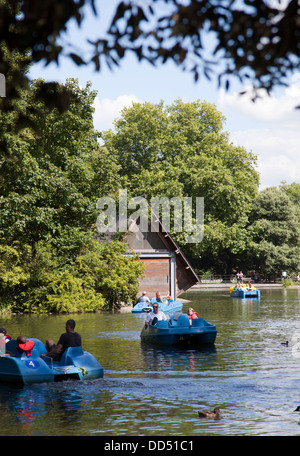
[267, 108]
[107, 110]
[270, 129]
[277, 151]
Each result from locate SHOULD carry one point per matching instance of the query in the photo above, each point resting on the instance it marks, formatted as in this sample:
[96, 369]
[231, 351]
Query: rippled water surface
[249, 375]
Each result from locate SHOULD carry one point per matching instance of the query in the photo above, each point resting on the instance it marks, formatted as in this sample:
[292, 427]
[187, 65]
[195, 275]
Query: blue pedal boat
[244, 293]
[75, 363]
[169, 306]
[178, 331]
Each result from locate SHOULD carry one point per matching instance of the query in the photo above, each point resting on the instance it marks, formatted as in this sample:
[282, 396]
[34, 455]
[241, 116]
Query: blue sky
[268, 128]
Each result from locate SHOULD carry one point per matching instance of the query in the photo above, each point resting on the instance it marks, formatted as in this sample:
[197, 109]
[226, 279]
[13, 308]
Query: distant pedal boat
[178, 331]
[244, 292]
[169, 306]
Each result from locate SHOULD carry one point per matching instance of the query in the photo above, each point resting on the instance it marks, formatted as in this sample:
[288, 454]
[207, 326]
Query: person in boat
[24, 346]
[249, 286]
[4, 336]
[3, 341]
[160, 298]
[68, 339]
[192, 314]
[144, 298]
[155, 316]
[50, 345]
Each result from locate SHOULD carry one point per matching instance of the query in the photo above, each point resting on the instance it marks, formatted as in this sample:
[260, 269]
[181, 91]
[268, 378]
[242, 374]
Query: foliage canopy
[51, 179]
[181, 150]
[256, 41]
[275, 233]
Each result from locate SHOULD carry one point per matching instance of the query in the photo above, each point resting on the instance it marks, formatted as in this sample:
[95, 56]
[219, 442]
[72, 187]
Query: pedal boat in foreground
[178, 331]
[244, 292]
[75, 363]
[169, 306]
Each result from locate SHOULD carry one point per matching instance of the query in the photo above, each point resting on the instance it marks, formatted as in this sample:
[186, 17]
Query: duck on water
[211, 414]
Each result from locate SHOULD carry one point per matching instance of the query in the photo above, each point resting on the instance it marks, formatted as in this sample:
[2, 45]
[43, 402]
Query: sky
[269, 127]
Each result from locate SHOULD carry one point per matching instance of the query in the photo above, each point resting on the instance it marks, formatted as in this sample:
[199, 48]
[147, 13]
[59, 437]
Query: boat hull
[180, 332]
[243, 293]
[26, 370]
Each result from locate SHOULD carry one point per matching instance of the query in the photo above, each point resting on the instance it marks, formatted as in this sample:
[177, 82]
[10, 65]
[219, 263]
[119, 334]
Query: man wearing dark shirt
[69, 339]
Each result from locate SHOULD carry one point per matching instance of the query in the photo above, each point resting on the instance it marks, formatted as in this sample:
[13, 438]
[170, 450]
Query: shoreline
[227, 285]
[197, 287]
[219, 286]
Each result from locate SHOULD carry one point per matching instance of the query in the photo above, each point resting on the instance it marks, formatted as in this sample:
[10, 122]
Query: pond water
[147, 391]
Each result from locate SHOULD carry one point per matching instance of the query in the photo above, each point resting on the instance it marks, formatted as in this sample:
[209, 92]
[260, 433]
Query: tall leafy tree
[182, 150]
[57, 172]
[256, 40]
[293, 192]
[51, 179]
[275, 231]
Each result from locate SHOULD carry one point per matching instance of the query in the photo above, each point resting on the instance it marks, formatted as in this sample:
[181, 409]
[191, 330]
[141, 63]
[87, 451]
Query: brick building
[167, 270]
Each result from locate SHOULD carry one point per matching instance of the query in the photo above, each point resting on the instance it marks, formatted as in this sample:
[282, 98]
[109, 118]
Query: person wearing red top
[24, 346]
[191, 314]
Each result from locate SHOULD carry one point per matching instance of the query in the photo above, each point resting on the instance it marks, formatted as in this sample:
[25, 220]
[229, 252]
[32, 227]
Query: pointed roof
[168, 242]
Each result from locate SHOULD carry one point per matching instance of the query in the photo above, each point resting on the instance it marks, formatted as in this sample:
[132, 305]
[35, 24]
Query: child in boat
[24, 346]
[191, 314]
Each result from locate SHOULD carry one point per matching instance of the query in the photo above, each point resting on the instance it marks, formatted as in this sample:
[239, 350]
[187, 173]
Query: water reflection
[147, 390]
[29, 405]
[176, 361]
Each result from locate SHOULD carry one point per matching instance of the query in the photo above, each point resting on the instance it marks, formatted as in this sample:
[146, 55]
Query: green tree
[275, 231]
[181, 150]
[254, 40]
[14, 272]
[110, 269]
[101, 276]
[50, 182]
[293, 191]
